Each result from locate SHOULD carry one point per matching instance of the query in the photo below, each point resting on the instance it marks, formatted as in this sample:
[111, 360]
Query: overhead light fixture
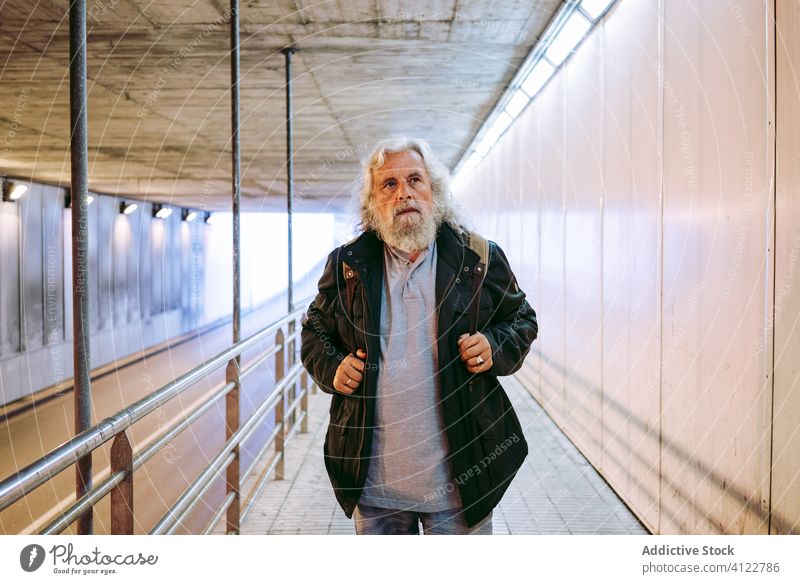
[500, 124]
[565, 32]
[68, 200]
[210, 219]
[470, 164]
[13, 191]
[127, 208]
[537, 77]
[188, 215]
[595, 8]
[488, 140]
[160, 211]
[573, 31]
[517, 103]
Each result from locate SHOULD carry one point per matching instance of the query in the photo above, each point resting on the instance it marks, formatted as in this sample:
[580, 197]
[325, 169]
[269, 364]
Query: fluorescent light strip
[568, 38]
[538, 76]
[517, 103]
[594, 8]
[566, 31]
[501, 123]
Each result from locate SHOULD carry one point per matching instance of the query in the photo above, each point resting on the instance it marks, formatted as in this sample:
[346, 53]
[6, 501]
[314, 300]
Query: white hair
[446, 208]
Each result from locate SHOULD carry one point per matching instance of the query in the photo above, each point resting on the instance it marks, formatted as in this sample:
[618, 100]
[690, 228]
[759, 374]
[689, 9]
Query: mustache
[407, 207]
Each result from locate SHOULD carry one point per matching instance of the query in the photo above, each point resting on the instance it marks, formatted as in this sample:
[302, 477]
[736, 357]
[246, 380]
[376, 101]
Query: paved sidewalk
[555, 492]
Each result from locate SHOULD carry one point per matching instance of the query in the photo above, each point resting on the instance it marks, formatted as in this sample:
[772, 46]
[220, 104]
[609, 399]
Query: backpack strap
[479, 245]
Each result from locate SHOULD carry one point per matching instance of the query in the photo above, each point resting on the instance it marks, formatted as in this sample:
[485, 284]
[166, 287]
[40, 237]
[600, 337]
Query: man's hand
[350, 373]
[474, 348]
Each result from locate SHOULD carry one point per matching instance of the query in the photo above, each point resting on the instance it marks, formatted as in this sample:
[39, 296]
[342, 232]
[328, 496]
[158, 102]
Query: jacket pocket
[462, 310]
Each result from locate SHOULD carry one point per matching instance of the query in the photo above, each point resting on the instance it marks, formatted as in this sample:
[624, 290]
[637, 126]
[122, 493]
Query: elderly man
[414, 321]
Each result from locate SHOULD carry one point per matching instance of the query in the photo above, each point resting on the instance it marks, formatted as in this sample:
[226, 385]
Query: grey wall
[145, 277]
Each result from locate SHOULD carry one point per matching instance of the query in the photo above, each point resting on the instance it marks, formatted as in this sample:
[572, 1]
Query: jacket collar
[450, 245]
[363, 248]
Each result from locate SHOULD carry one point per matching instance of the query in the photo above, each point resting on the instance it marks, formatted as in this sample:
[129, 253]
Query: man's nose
[402, 191]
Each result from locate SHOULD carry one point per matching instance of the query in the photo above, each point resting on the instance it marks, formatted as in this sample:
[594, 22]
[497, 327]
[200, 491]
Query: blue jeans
[378, 521]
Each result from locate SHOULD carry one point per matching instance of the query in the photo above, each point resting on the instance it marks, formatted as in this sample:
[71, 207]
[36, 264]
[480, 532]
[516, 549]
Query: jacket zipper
[365, 308]
[447, 288]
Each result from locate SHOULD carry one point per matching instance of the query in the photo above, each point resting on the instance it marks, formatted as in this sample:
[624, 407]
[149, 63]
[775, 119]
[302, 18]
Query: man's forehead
[407, 161]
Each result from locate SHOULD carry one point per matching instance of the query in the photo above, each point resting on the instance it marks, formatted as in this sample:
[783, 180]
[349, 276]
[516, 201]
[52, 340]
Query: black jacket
[484, 436]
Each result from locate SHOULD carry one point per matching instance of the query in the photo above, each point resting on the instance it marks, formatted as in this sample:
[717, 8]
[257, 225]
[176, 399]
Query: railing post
[304, 402]
[303, 384]
[122, 494]
[232, 473]
[291, 358]
[280, 408]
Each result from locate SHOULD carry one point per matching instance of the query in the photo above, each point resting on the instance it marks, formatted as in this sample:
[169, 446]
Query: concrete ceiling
[159, 90]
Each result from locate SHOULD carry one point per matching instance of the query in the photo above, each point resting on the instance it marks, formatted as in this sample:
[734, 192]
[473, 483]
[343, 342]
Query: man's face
[402, 193]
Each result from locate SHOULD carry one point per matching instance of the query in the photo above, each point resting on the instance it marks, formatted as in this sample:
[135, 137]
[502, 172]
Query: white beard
[409, 235]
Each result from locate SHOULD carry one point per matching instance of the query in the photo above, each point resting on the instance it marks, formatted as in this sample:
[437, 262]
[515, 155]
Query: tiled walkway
[555, 492]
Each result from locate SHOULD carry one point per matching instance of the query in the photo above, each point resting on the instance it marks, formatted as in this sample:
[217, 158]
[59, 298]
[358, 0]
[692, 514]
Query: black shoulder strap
[479, 245]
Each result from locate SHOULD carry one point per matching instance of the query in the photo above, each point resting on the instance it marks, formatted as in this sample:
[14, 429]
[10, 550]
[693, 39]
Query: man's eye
[390, 184]
[415, 178]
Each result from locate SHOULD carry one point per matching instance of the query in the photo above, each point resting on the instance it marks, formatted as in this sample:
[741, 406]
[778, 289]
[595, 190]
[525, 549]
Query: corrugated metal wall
[138, 276]
[635, 199]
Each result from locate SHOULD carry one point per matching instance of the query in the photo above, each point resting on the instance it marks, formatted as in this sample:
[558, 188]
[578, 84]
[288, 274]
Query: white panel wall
[583, 195]
[786, 404]
[645, 244]
[716, 389]
[632, 255]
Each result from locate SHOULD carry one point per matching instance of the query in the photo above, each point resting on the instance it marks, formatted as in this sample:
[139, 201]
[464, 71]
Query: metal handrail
[257, 458]
[178, 511]
[76, 509]
[220, 512]
[194, 496]
[37, 473]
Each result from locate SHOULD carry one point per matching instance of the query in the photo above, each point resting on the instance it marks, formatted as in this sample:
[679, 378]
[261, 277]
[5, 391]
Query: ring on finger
[348, 382]
[479, 360]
